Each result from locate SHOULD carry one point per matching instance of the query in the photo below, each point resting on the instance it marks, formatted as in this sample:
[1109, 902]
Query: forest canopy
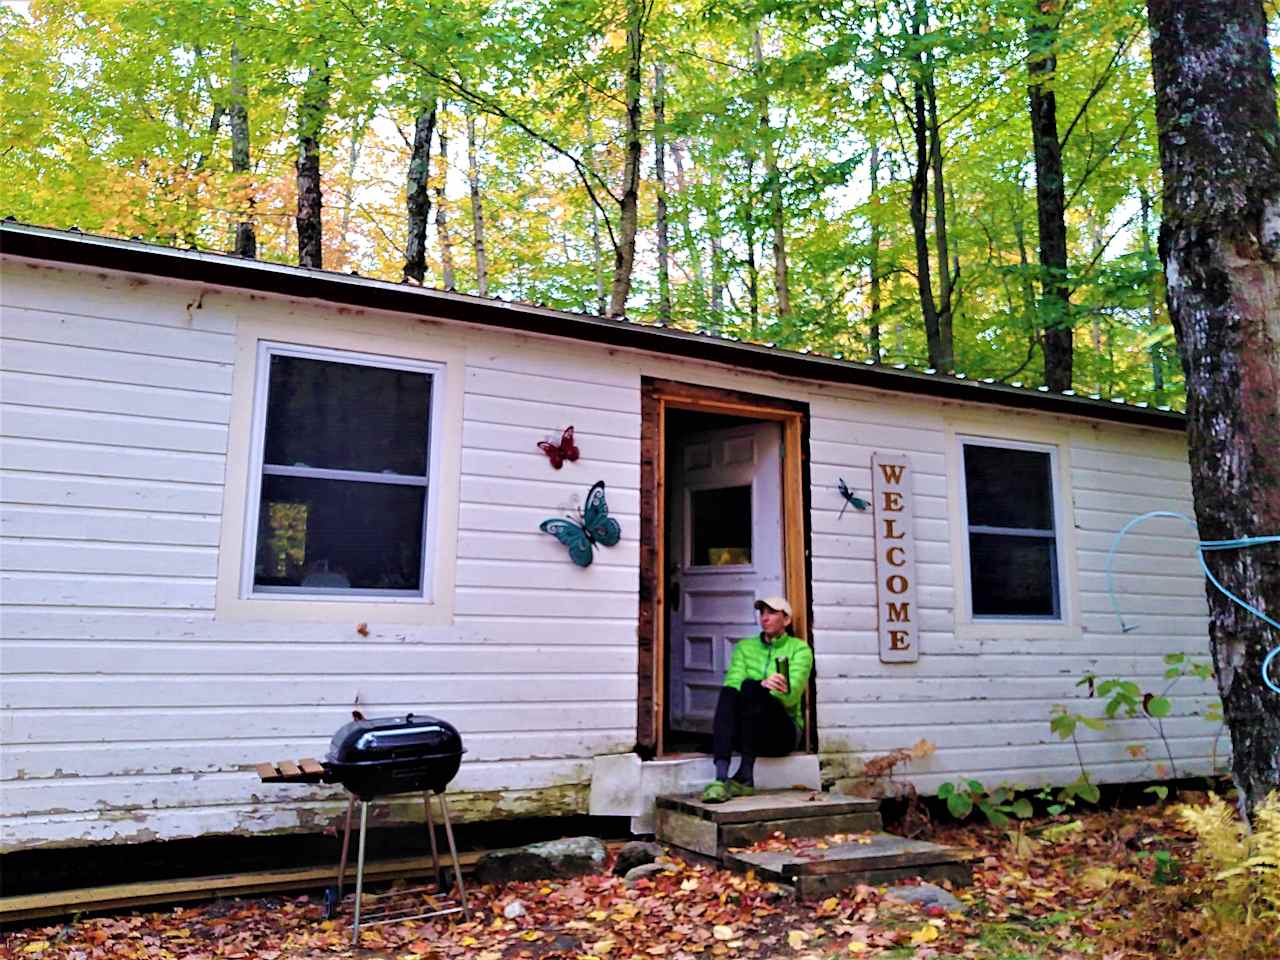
[955, 185]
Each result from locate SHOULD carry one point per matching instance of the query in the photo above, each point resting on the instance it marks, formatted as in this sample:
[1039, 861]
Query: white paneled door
[724, 552]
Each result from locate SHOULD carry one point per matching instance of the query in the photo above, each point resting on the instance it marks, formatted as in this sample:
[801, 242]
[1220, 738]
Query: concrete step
[878, 858]
[712, 830]
[624, 785]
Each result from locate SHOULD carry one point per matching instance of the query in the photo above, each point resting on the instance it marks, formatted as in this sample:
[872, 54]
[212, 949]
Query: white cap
[775, 603]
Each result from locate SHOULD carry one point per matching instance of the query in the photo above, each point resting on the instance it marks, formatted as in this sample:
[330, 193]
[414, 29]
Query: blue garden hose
[1201, 547]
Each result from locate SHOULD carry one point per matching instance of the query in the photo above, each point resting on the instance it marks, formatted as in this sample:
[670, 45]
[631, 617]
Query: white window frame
[266, 350]
[1060, 578]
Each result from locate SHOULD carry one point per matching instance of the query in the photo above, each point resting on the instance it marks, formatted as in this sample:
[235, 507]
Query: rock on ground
[642, 871]
[571, 857]
[635, 854]
[927, 895]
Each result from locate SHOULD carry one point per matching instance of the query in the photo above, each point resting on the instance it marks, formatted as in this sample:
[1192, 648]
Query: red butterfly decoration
[558, 453]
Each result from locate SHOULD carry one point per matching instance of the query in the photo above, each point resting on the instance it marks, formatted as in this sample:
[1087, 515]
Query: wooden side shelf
[286, 771]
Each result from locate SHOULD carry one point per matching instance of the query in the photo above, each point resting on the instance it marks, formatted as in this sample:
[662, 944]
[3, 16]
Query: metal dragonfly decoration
[594, 526]
[850, 500]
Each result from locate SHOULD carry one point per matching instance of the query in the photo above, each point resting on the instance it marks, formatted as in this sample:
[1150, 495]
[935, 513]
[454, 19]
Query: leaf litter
[1087, 892]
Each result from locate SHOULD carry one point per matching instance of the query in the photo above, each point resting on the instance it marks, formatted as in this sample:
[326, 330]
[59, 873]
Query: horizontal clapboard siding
[123, 689]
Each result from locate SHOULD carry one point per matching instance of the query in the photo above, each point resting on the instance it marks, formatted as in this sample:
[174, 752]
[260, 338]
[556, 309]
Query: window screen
[342, 504]
[1013, 551]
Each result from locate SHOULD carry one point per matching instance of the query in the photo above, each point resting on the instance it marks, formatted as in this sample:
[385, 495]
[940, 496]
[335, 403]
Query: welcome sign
[891, 477]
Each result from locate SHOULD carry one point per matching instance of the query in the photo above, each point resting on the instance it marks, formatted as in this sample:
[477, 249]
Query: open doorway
[724, 522]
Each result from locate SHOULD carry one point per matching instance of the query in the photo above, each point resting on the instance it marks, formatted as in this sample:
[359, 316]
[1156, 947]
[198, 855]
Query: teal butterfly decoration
[595, 526]
[850, 500]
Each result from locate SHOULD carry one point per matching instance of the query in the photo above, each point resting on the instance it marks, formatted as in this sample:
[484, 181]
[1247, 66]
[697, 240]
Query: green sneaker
[717, 792]
[737, 789]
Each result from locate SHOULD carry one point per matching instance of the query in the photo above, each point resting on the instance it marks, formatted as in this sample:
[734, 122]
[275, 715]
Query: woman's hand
[776, 682]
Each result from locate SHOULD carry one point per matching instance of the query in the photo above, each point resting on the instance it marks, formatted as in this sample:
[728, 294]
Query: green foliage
[997, 805]
[117, 122]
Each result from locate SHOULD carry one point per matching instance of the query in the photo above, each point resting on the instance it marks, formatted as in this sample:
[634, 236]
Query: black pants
[754, 721]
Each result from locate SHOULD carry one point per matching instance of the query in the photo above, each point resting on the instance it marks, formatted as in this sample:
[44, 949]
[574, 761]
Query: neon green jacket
[753, 659]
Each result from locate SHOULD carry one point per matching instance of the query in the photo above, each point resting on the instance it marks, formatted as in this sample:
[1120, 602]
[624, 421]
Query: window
[721, 526]
[341, 475]
[1013, 546]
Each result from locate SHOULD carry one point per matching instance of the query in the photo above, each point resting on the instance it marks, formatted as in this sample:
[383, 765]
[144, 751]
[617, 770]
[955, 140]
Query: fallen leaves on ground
[1087, 894]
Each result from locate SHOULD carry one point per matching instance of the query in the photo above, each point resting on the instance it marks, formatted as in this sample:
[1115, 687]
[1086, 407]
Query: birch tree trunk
[773, 181]
[312, 108]
[477, 209]
[246, 242]
[418, 194]
[660, 175]
[1055, 306]
[1220, 243]
[628, 218]
[442, 215]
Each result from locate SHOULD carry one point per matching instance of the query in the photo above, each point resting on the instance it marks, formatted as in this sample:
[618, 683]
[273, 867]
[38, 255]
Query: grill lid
[388, 739]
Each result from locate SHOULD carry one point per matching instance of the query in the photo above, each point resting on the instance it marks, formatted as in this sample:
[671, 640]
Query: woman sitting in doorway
[759, 710]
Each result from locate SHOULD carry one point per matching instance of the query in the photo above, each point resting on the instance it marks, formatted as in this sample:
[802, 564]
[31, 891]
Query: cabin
[243, 499]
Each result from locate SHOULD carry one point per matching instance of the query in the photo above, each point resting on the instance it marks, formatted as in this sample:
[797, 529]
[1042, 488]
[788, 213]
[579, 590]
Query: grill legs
[393, 915]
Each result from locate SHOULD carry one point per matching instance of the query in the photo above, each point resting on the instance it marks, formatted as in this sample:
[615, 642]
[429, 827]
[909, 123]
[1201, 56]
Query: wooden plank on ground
[149, 893]
[885, 851]
[769, 805]
[745, 834]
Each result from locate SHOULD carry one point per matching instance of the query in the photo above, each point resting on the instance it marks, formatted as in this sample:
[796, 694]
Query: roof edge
[72, 247]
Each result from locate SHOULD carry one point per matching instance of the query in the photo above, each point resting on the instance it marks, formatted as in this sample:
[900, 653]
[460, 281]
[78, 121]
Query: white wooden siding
[132, 708]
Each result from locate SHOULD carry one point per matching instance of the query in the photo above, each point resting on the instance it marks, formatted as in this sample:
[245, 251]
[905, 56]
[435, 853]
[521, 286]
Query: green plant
[997, 805]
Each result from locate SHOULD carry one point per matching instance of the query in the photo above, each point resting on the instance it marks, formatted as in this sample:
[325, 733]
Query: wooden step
[711, 829]
[874, 859]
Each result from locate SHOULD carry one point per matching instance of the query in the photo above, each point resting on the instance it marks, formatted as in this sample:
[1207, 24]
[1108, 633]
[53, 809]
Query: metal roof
[76, 248]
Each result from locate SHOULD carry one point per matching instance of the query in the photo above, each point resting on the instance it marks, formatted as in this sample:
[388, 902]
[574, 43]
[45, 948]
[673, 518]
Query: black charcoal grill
[379, 758]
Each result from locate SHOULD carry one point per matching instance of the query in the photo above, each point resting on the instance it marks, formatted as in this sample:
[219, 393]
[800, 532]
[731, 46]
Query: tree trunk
[1055, 308]
[418, 194]
[941, 240]
[358, 131]
[312, 108]
[660, 175]
[774, 184]
[597, 247]
[939, 349]
[715, 227]
[246, 244]
[691, 248]
[477, 209]
[753, 270]
[874, 199]
[1156, 351]
[1220, 243]
[442, 215]
[624, 260]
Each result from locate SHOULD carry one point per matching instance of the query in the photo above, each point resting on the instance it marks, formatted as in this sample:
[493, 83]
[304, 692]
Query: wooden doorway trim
[656, 398]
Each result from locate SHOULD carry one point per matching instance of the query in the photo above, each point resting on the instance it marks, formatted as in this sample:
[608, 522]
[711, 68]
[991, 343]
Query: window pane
[721, 526]
[345, 416]
[335, 533]
[1013, 576]
[1008, 488]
